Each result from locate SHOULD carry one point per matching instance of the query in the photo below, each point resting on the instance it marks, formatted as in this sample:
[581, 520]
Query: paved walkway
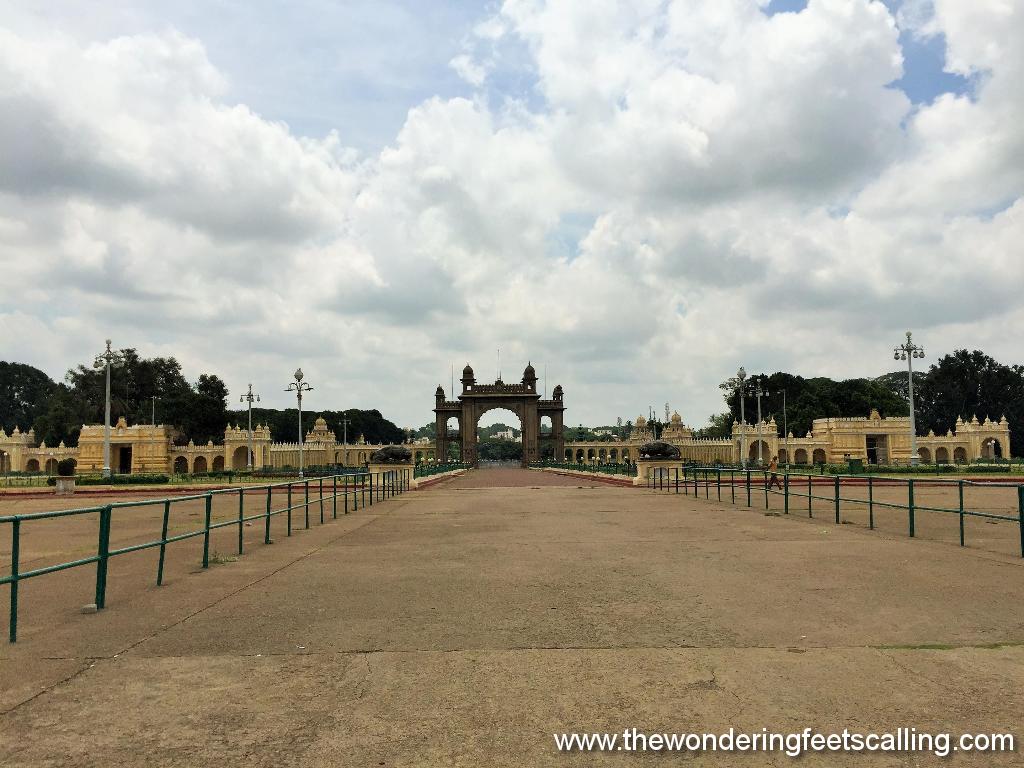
[465, 624]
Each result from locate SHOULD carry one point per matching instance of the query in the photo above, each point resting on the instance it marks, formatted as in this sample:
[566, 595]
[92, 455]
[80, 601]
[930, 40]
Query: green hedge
[116, 480]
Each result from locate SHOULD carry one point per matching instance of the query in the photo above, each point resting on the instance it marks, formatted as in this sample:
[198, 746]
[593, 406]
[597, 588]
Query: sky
[639, 196]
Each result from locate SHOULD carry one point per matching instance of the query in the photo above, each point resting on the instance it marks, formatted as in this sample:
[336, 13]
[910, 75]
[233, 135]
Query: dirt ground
[466, 623]
[936, 504]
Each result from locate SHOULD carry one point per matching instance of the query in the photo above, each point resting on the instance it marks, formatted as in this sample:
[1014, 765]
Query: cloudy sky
[639, 195]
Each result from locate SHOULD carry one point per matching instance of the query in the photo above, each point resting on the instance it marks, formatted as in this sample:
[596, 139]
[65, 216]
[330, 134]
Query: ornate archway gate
[522, 399]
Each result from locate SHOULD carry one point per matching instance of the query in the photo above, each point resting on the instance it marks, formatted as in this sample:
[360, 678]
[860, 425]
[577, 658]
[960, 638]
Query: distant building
[874, 440]
[150, 448]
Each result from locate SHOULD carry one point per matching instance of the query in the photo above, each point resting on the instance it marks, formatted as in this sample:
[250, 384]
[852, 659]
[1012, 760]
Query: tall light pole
[152, 414]
[250, 398]
[760, 393]
[785, 427]
[345, 422]
[908, 352]
[741, 376]
[107, 360]
[298, 387]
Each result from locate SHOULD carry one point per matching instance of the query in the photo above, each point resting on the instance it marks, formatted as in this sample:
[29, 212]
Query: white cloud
[755, 190]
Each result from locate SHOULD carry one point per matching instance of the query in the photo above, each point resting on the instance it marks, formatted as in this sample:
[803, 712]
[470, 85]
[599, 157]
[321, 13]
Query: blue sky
[642, 195]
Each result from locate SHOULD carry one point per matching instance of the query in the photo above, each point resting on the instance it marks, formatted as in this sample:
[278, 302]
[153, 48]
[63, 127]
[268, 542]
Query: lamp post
[908, 352]
[345, 422]
[741, 376]
[759, 392]
[298, 387]
[107, 360]
[152, 414]
[785, 427]
[250, 398]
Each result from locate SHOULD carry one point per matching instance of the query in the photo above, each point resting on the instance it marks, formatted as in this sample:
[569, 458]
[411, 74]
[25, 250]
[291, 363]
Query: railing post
[1020, 516]
[103, 553]
[321, 501]
[871, 502]
[764, 478]
[334, 498]
[266, 525]
[910, 504]
[306, 505]
[163, 543]
[241, 517]
[289, 509]
[732, 484]
[206, 530]
[718, 480]
[15, 557]
[747, 473]
[837, 499]
[369, 476]
[344, 483]
[961, 493]
[810, 497]
[785, 492]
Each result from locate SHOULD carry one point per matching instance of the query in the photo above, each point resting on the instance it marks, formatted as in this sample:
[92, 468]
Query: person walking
[774, 469]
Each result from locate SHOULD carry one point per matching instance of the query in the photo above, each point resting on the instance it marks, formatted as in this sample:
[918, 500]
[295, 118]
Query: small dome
[467, 371]
[529, 372]
[676, 418]
[320, 423]
[641, 421]
[439, 391]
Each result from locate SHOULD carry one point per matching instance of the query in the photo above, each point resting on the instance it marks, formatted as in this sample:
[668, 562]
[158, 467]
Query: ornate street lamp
[785, 427]
[298, 387]
[908, 352]
[152, 414]
[741, 376]
[250, 398]
[759, 392]
[109, 359]
[345, 422]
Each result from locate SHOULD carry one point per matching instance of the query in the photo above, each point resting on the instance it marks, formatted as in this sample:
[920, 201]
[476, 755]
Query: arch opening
[499, 437]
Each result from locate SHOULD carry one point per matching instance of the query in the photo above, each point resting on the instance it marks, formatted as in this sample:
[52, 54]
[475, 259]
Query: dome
[467, 371]
[641, 421]
[529, 373]
[676, 418]
[320, 423]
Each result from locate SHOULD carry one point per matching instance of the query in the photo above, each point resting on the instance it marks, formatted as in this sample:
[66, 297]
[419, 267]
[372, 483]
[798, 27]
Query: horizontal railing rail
[350, 491]
[725, 483]
[629, 470]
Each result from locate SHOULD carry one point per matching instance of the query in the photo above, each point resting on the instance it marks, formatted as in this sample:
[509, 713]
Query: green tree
[24, 392]
[719, 426]
[971, 384]
[62, 418]
[809, 399]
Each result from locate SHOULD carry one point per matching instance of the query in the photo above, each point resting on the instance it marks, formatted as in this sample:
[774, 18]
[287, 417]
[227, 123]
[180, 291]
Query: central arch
[502, 443]
[522, 399]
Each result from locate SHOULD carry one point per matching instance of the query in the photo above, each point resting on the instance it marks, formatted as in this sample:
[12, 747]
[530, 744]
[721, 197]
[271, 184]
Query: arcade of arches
[149, 448]
[874, 440]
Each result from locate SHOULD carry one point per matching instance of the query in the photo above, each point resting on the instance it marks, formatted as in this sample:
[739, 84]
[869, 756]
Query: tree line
[29, 399]
[961, 384]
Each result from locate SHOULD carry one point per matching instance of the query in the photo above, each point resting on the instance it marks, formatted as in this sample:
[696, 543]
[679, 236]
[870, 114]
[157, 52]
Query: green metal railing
[342, 493]
[428, 468]
[725, 483]
[629, 470]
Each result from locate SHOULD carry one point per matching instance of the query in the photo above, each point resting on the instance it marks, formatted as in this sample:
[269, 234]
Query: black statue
[391, 454]
[658, 449]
